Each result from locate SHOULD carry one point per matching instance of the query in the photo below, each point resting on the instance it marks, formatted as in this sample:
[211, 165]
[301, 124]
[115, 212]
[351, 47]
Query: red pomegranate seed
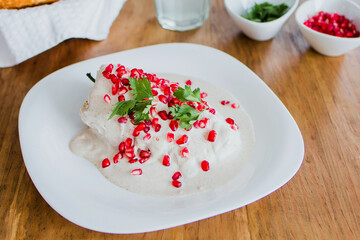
[122, 120]
[125, 81]
[123, 90]
[200, 107]
[131, 116]
[176, 176]
[163, 99]
[144, 154]
[128, 142]
[107, 98]
[212, 136]
[174, 125]
[203, 95]
[157, 127]
[109, 68]
[166, 160]
[182, 140]
[136, 171]
[146, 129]
[235, 105]
[205, 166]
[229, 121]
[142, 160]
[130, 155]
[121, 98]
[154, 92]
[147, 136]
[106, 74]
[212, 110]
[141, 126]
[224, 102]
[176, 183]
[105, 163]
[170, 137]
[114, 79]
[167, 91]
[154, 122]
[136, 132]
[134, 160]
[234, 127]
[114, 89]
[196, 124]
[202, 124]
[122, 147]
[153, 111]
[163, 115]
[185, 152]
[188, 82]
[116, 158]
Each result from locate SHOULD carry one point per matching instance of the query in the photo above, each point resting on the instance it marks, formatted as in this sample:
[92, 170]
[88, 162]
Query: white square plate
[72, 186]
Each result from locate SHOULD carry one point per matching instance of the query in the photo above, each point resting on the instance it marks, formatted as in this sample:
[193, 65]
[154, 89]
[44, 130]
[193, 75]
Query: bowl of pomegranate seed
[258, 19]
[330, 27]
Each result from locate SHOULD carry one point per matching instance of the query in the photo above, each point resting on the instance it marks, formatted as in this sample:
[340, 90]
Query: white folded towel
[27, 32]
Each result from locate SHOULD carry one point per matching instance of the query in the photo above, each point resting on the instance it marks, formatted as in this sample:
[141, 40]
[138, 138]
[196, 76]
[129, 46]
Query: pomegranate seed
[109, 68]
[132, 121]
[166, 160]
[235, 105]
[107, 98]
[154, 122]
[130, 155]
[106, 74]
[176, 176]
[188, 82]
[203, 95]
[167, 91]
[182, 140]
[154, 92]
[144, 154]
[136, 132]
[146, 129]
[131, 116]
[174, 125]
[185, 152]
[234, 127]
[153, 111]
[169, 116]
[224, 102]
[131, 161]
[170, 137]
[163, 115]
[121, 98]
[212, 136]
[142, 160]
[212, 110]
[141, 126]
[229, 121]
[176, 183]
[122, 120]
[123, 90]
[128, 142]
[200, 107]
[147, 136]
[116, 158]
[157, 127]
[196, 124]
[114, 89]
[205, 166]
[122, 147]
[125, 81]
[114, 79]
[202, 124]
[175, 100]
[105, 163]
[163, 99]
[136, 171]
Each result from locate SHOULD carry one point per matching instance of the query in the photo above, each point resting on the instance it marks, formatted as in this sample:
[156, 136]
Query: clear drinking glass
[182, 15]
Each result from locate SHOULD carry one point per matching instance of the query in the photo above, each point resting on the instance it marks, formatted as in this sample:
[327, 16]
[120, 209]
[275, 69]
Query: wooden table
[322, 93]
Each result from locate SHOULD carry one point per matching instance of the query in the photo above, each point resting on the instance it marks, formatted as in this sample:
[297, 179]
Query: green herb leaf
[141, 88]
[122, 108]
[187, 95]
[266, 12]
[141, 111]
[186, 114]
[91, 77]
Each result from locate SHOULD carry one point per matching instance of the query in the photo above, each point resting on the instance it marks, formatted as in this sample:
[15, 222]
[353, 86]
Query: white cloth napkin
[27, 32]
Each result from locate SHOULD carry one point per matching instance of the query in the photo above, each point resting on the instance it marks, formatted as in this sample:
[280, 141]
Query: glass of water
[182, 15]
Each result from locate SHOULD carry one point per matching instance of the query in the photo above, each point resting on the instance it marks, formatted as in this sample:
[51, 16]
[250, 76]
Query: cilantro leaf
[186, 114]
[141, 111]
[141, 88]
[266, 12]
[187, 95]
[122, 108]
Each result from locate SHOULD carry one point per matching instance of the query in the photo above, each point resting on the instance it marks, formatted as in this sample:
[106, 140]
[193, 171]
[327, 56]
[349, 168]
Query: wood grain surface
[322, 93]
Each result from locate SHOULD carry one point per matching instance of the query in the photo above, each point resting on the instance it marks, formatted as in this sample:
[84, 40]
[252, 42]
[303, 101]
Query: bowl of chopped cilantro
[258, 19]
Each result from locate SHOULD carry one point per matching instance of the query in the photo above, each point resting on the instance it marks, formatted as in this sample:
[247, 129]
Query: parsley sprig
[186, 114]
[140, 106]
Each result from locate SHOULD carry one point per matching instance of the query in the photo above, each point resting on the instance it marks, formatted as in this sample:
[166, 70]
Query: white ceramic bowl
[323, 43]
[255, 30]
